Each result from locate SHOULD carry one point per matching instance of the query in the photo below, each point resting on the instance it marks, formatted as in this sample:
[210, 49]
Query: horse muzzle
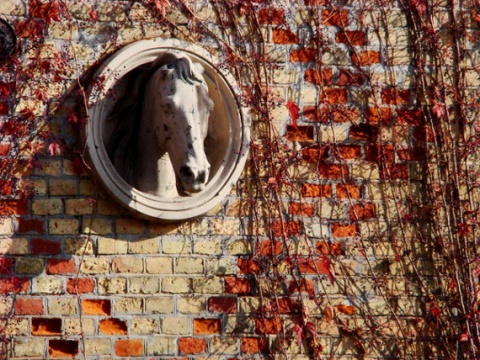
[192, 180]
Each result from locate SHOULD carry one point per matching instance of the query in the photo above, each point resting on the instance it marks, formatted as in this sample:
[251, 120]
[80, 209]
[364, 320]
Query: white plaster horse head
[170, 158]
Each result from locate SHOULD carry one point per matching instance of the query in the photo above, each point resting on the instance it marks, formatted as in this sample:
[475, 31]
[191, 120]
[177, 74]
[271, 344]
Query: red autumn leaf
[464, 337]
[163, 6]
[324, 266]
[438, 109]
[346, 309]
[298, 330]
[77, 165]
[93, 15]
[329, 314]
[54, 148]
[294, 113]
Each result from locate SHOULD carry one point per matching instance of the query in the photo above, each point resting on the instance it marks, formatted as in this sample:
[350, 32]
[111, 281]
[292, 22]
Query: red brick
[411, 154]
[332, 171]
[266, 326]
[327, 113]
[350, 78]
[282, 36]
[316, 113]
[96, 307]
[365, 132]
[303, 209]
[234, 285]
[394, 171]
[28, 306]
[30, 226]
[222, 304]
[334, 96]
[46, 247]
[14, 207]
[349, 152]
[315, 190]
[329, 248]
[395, 96]
[353, 38]
[46, 326]
[344, 230]
[57, 266]
[377, 115]
[248, 266]
[362, 211]
[300, 133]
[345, 191]
[380, 154]
[112, 327]
[273, 16]
[63, 348]
[190, 345]
[270, 247]
[290, 228]
[317, 77]
[129, 347]
[80, 285]
[206, 326]
[14, 285]
[409, 117]
[335, 17]
[366, 58]
[303, 55]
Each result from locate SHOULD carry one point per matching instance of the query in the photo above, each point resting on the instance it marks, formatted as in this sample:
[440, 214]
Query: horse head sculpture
[166, 141]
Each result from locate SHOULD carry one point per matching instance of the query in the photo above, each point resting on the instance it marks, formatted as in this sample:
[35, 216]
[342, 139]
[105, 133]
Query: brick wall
[91, 281]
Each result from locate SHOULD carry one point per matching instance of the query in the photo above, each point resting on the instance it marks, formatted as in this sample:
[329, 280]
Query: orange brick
[332, 171]
[345, 191]
[304, 209]
[80, 285]
[46, 326]
[129, 347]
[28, 306]
[63, 348]
[314, 190]
[365, 58]
[344, 230]
[268, 325]
[317, 77]
[207, 326]
[112, 327]
[234, 285]
[190, 345]
[96, 307]
[272, 16]
[395, 96]
[57, 266]
[353, 37]
[334, 96]
[282, 36]
[362, 211]
[303, 55]
[335, 17]
[329, 248]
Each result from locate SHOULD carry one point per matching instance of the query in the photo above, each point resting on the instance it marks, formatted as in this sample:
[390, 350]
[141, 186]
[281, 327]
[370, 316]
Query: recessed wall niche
[166, 134]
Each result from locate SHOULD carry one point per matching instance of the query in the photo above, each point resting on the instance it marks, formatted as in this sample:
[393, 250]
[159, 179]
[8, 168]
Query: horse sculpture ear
[166, 70]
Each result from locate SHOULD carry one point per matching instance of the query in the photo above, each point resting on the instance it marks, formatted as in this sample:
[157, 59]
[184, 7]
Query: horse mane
[127, 111]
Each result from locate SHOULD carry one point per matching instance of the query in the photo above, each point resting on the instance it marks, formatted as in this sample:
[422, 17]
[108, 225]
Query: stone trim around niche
[230, 130]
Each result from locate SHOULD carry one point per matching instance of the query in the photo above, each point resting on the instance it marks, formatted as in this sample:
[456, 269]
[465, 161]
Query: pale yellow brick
[14, 246]
[6, 305]
[79, 206]
[221, 266]
[116, 285]
[47, 206]
[98, 226]
[316, 230]
[79, 326]
[63, 226]
[333, 210]
[58, 30]
[39, 186]
[29, 266]
[29, 348]
[225, 226]
[159, 265]
[191, 305]
[16, 327]
[197, 227]
[239, 324]
[129, 306]
[183, 246]
[224, 345]
[239, 247]
[189, 266]
[6, 226]
[97, 346]
[129, 33]
[285, 76]
[87, 187]
[162, 346]
[176, 326]
[207, 286]
[159, 305]
[176, 285]
[162, 229]
[110, 246]
[365, 171]
[333, 133]
[62, 306]
[139, 13]
[92, 266]
[335, 57]
[127, 265]
[145, 246]
[13, 7]
[63, 187]
[144, 285]
[248, 305]
[144, 326]
[208, 247]
[79, 246]
[47, 285]
[108, 207]
[129, 226]
[49, 167]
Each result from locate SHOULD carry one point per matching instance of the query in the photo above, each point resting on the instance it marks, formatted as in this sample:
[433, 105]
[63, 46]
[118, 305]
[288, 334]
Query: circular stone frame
[236, 133]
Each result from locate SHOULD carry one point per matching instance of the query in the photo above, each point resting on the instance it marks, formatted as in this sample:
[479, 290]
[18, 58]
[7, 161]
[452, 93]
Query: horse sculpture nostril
[187, 173]
[201, 177]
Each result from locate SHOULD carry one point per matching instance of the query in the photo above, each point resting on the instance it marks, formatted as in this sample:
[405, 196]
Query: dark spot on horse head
[190, 146]
[165, 127]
